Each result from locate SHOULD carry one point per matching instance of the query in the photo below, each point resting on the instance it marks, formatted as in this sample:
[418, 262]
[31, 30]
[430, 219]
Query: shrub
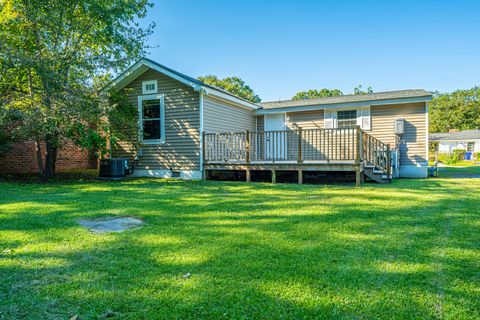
[443, 157]
[456, 156]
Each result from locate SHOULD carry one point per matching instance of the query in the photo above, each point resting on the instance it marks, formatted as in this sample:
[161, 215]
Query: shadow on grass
[472, 172]
[254, 251]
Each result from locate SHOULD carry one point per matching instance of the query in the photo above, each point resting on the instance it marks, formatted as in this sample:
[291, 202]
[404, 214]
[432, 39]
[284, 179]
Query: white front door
[275, 137]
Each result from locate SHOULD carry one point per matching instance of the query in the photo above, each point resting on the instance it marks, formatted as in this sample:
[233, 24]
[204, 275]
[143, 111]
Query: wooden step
[376, 175]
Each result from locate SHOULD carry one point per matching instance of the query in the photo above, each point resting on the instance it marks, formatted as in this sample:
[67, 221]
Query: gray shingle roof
[201, 83]
[400, 94]
[129, 75]
[461, 135]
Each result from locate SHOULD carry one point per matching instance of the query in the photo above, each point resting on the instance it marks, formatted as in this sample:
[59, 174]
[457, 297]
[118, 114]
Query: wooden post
[300, 156]
[358, 158]
[364, 146]
[274, 176]
[274, 145]
[300, 176]
[359, 138]
[389, 161]
[204, 157]
[247, 147]
[248, 175]
[358, 177]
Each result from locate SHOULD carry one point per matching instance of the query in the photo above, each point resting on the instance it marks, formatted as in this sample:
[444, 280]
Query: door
[275, 137]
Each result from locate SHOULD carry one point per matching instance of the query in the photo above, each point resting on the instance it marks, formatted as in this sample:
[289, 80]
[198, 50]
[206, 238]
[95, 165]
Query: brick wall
[22, 158]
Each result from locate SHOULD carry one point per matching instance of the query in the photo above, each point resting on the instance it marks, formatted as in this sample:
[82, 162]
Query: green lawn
[254, 251]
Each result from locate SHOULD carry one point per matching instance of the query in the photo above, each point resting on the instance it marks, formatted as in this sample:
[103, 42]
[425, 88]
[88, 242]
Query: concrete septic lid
[114, 224]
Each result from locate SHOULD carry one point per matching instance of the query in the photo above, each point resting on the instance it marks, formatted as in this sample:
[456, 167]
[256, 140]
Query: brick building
[22, 158]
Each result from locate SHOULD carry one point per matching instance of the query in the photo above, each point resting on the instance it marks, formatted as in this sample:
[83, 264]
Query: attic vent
[149, 87]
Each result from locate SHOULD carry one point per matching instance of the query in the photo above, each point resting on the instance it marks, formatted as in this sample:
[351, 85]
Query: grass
[445, 157]
[462, 163]
[460, 172]
[254, 251]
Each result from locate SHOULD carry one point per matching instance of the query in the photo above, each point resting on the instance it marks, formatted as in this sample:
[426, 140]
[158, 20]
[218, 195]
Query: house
[462, 140]
[190, 129]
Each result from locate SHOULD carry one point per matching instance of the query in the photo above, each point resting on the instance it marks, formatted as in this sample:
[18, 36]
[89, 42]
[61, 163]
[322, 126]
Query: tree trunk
[50, 160]
[38, 149]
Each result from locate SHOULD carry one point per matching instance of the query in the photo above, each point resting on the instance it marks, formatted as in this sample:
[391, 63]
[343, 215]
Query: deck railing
[322, 145]
[376, 153]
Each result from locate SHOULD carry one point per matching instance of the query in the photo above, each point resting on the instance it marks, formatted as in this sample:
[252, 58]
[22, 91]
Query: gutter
[342, 105]
[228, 97]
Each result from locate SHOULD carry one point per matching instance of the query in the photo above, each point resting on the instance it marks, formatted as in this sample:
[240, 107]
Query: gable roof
[144, 64]
[377, 98]
[460, 135]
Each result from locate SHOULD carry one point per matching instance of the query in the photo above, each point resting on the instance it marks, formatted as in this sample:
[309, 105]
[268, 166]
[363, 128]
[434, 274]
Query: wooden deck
[348, 149]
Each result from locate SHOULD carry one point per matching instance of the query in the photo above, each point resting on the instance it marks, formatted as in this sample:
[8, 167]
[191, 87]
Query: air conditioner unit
[113, 168]
[399, 126]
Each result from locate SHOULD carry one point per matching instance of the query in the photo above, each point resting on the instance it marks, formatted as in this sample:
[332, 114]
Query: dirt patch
[115, 224]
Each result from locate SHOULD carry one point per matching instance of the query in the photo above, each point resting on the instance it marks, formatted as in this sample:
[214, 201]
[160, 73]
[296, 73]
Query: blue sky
[281, 47]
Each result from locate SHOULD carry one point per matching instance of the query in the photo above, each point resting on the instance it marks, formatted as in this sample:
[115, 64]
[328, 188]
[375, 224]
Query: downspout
[201, 131]
[426, 116]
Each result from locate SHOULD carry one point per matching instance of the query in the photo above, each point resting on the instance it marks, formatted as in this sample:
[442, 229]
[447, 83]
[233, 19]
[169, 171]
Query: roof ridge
[459, 135]
[347, 95]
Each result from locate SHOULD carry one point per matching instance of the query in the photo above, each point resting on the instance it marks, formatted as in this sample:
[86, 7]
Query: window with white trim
[471, 146]
[346, 119]
[149, 86]
[152, 124]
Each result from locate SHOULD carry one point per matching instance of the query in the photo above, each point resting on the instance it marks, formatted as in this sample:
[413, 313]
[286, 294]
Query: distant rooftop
[400, 94]
[460, 135]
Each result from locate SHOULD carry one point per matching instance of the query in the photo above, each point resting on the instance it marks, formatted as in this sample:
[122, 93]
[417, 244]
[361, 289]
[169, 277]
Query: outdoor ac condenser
[113, 168]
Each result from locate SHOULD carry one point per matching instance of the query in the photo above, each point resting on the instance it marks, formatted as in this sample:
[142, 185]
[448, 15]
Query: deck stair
[376, 157]
[377, 175]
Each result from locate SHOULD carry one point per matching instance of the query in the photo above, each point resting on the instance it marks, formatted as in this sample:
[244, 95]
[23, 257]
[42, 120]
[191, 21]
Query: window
[347, 118]
[471, 146]
[149, 87]
[152, 119]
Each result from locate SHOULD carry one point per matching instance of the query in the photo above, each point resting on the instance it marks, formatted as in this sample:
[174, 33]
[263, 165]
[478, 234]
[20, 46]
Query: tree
[234, 85]
[457, 110]
[6, 120]
[359, 90]
[52, 56]
[310, 94]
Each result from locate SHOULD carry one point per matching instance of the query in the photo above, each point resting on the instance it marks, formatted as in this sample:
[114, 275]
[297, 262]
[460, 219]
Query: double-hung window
[152, 118]
[346, 119]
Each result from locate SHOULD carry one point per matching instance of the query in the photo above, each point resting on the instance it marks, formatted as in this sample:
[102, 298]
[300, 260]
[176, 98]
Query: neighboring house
[463, 140]
[189, 128]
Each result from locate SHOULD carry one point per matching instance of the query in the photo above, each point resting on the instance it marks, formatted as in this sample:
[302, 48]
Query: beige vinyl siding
[305, 119]
[413, 147]
[181, 150]
[319, 145]
[221, 116]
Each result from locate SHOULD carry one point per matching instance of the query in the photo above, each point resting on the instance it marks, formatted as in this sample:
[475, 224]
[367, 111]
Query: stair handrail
[376, 153]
